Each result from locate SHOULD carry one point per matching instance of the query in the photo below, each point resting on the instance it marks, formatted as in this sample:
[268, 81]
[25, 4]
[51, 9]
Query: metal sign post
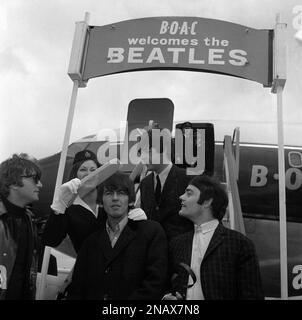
[279, 79]
[75, 73]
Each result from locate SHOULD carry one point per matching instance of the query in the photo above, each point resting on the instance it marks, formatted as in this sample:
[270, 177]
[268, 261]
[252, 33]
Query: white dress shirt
[202, 237]
[115, 234]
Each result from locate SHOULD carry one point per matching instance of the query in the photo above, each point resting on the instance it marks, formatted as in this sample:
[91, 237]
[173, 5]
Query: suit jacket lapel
[216, 240]
[126, 236]
[169, 183]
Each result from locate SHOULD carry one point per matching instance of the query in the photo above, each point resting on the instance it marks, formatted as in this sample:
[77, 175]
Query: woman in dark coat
[83, 217]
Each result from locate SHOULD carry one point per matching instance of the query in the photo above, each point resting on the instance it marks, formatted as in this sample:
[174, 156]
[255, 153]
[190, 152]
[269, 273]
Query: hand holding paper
[76, 187]
[95, 178]
[66, 195]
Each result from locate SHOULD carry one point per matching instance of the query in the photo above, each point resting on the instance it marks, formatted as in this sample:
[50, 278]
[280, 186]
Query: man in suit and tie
[160, 190]
[126, 259]
[224, 261]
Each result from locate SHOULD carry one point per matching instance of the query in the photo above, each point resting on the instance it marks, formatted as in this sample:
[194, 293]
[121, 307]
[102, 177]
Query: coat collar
[171, 182]
[169, 185]
[2, 208]
[216, 240]
[127, 235]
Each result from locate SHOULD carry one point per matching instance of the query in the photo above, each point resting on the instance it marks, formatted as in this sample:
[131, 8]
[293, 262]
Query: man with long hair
[125, 259]
[19, 187]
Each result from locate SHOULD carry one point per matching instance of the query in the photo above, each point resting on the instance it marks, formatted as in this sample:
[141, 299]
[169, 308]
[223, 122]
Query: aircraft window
[295, 159]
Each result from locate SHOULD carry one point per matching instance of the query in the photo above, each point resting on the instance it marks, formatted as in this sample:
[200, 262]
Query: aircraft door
[199, 138]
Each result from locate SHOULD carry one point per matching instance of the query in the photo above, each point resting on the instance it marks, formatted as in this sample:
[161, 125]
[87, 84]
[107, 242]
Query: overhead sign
[185, 43]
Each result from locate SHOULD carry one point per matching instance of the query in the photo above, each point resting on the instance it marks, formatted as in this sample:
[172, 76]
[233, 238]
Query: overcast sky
[35, 90]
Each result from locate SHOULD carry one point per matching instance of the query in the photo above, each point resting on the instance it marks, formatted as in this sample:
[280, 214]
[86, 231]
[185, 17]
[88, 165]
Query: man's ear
[131, 204]
[207, 203]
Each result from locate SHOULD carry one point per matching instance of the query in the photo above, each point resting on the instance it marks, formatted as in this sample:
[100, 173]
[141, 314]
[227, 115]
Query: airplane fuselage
[258, 189]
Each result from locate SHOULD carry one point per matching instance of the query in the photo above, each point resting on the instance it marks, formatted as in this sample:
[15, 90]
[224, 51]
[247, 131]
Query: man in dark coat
[125, 259]
[160, 190]
[223, 261]
[19, 186]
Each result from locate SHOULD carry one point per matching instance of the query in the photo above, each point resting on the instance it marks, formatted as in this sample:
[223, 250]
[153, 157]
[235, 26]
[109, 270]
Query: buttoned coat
[135, 268]
[229, 269]
[167, 213]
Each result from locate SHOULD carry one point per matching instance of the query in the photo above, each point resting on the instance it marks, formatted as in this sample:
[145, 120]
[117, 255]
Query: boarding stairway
[231, 149]
[233, 218]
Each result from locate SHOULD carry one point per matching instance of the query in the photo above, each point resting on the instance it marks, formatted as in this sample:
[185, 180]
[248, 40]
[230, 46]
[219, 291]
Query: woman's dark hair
[12, 170]
[211, 188]
[119, 181]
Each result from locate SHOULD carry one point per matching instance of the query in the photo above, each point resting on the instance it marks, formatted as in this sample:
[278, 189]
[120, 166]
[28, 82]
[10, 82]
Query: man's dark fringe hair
[13, 168]
[211, 188]
[118, 181]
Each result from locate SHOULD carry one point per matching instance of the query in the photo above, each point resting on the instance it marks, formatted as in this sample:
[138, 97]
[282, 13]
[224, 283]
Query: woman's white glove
[137, 214]
[66, 195]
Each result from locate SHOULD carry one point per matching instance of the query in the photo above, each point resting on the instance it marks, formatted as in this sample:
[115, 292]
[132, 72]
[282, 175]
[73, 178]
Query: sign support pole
[278, 84]
[75, 73]
[282, 198]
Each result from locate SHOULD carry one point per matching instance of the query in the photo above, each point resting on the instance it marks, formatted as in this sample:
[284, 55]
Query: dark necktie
[157, 190]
